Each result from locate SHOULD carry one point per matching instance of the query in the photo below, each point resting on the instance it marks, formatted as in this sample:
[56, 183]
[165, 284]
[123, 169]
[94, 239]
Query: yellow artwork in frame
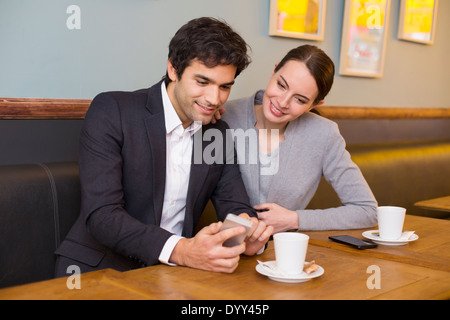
[417, 21]
[301, 19]
[364, 34]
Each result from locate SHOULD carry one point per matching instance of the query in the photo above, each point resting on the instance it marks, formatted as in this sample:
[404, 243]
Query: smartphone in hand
[232, 221]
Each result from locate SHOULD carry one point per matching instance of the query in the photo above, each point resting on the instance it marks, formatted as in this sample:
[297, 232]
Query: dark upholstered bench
[38, 205]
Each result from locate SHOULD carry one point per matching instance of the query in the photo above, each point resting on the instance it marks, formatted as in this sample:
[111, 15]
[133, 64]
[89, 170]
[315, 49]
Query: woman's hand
[217, 115]
[280, 218]
[257, 237]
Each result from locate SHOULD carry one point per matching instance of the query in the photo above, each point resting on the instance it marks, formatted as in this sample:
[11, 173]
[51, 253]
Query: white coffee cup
[390, 222]
[290, 252]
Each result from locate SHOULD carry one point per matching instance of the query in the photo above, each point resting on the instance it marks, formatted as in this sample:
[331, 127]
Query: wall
[122, 45]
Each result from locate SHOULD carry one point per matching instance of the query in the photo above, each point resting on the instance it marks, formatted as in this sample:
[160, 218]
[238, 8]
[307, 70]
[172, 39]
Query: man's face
[200, 91]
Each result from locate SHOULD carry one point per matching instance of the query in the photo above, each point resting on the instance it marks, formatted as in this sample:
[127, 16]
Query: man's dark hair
[211, 41]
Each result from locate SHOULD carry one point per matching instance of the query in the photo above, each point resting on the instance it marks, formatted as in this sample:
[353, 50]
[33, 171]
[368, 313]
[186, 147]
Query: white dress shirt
[178, 168]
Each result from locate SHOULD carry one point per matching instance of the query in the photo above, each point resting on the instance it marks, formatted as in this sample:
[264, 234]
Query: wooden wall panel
[32, 108]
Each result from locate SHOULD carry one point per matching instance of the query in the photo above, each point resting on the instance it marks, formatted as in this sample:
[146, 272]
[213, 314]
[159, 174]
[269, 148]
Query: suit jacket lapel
[199, 172]
[156, 132]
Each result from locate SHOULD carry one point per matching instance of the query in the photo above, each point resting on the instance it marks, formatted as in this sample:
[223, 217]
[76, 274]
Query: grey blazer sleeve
[358, 208]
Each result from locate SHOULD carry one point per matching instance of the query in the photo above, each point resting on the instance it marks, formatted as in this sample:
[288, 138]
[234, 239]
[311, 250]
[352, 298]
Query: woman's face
[290, 93]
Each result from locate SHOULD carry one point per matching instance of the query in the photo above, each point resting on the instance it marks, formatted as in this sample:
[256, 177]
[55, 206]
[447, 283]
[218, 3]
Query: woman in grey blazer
[283, 149]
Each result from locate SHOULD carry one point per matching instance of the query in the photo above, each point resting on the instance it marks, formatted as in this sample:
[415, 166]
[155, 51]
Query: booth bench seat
[38, 205]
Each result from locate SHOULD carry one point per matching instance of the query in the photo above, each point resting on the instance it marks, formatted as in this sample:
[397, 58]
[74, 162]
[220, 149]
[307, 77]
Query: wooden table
[346, 275]
[104, 284]
[439, 204]
[431, 250]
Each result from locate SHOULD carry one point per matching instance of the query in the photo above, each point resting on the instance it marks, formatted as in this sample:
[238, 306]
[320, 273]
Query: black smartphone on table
[354, 242]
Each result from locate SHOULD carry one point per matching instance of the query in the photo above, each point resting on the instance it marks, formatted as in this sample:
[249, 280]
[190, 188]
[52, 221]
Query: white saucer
[302, 277]
[375, 237]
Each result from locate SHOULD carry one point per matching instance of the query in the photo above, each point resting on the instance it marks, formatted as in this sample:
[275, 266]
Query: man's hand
[206, 251]
[258, 235]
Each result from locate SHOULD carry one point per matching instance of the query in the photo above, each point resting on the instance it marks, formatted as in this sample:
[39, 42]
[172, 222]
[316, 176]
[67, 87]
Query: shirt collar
[171, 117]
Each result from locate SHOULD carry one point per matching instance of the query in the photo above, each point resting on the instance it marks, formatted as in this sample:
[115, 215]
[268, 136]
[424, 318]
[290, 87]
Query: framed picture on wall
[302, 19]
[364, 34]
[417, 21]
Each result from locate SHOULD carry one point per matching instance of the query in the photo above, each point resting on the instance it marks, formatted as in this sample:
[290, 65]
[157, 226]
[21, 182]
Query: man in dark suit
[142, 193]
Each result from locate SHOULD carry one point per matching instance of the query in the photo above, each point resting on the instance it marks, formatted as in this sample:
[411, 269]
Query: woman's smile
[275, 111]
